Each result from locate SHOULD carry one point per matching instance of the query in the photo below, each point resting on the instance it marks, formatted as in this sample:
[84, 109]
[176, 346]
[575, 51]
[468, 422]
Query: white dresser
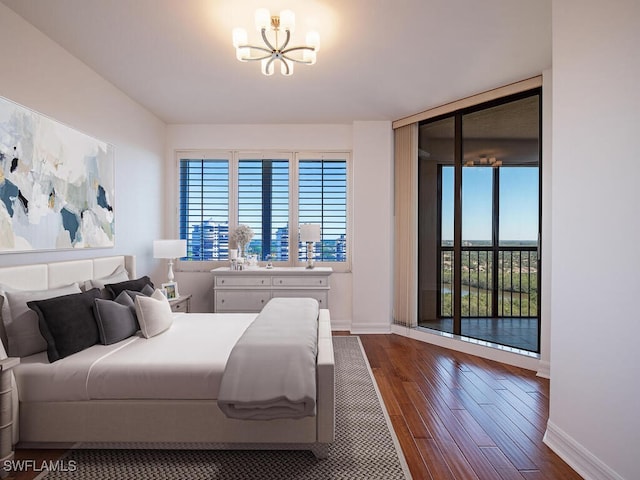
[250, 290]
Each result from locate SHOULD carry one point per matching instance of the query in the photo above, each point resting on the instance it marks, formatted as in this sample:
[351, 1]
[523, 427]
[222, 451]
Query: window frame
[294, 157]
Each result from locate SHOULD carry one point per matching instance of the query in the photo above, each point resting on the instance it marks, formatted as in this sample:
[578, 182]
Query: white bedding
[185, 362]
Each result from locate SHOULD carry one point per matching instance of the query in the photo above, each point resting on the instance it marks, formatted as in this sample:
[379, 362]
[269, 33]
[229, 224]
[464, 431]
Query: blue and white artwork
[56, 184]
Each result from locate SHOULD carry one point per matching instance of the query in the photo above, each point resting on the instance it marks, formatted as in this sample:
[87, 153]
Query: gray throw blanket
[271, 371]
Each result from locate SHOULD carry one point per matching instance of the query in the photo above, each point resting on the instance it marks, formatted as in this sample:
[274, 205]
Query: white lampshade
[239, 36]
[263, 19]
[243, 53]
[313, 40]
[287, 20]
[309, 232]
[309, 56]
[169, 248]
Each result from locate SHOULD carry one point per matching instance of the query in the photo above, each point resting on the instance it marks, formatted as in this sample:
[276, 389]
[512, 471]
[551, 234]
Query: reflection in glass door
[478, 257]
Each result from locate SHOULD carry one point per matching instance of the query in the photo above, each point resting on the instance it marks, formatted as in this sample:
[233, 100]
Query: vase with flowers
[242, 235]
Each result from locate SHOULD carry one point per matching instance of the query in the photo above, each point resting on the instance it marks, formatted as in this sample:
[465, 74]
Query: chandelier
[276, 47]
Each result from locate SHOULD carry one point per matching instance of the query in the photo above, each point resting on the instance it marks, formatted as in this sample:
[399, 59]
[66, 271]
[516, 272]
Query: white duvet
[185, 362]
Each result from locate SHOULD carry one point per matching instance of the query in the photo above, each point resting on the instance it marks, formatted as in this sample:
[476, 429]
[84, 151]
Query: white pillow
[118, 275]
[154, 313]
[21, 323]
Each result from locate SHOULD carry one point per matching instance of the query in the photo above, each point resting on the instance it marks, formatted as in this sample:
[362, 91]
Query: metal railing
[506, 289]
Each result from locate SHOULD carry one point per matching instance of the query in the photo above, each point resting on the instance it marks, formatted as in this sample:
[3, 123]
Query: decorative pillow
[138, 284]
[147, 291]
[116, 319]
[21, 323]
[67, 323]
[154, 314]
[118, 275]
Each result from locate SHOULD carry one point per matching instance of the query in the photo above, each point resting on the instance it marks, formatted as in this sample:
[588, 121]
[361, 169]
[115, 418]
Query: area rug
[365, 445]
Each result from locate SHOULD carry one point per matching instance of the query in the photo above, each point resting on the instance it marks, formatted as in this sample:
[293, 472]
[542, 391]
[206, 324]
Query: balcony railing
[506, 289]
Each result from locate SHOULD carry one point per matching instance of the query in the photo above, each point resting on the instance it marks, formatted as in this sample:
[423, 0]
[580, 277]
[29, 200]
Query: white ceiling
[379, 59]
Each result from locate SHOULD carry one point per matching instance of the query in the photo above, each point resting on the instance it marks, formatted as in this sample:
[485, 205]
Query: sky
[518, 203]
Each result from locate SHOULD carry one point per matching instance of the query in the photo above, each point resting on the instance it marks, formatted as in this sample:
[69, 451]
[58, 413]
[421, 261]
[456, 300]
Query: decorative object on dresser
[242, 235]
[310, 234]
[170, 249]
[250, 290]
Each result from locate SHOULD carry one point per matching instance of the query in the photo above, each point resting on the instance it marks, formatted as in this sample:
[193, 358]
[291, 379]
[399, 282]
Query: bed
[168, 405]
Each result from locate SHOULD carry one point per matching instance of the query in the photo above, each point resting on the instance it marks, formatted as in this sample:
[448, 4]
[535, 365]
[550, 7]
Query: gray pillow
[118, 275]
[147, 291]
[138, 284]
[21, 323]
[116, 319]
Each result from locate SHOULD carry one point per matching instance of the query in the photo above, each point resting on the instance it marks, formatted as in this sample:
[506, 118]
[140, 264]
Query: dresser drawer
[322, 296]
[242, 281]
[241, 301]
[301, 281]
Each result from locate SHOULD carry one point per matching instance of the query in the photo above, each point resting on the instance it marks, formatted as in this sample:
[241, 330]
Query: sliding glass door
[479, 222]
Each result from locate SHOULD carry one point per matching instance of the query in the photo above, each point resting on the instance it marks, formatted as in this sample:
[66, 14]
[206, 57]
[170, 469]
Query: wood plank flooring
[463, 417]
[456, 416]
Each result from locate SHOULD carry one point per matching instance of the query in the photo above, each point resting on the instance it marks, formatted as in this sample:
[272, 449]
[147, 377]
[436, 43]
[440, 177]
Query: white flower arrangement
[242, 235]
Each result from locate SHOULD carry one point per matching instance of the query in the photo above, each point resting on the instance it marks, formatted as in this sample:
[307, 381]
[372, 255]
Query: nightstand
[181, 304]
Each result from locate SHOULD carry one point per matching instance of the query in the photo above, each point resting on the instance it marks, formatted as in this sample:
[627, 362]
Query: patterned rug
[365, 446]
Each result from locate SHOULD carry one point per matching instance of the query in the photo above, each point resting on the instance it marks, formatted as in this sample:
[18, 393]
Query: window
[479, 222]
[263, 204]
[271, 192]
[204, 207]
[322, 199]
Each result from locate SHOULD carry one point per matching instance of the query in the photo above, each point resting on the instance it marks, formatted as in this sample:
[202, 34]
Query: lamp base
[310, 254]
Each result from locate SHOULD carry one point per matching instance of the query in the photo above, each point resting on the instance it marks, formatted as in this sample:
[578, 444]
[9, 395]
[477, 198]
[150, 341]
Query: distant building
[209, 241]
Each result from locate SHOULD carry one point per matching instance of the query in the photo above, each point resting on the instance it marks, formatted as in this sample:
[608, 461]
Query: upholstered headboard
[41, 276]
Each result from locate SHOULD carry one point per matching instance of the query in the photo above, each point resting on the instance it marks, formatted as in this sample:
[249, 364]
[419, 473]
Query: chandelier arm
[297, 48]
[291, 59]
[286, 41]
[267, 53]
[266, 40]
[286, 66]
[269, 64]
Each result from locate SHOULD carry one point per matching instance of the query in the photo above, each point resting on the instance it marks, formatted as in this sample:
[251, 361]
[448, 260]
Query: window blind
[322, 199]
[204, 208]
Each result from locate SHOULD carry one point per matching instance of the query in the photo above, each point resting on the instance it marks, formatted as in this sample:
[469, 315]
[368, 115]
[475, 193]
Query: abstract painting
[56, 184]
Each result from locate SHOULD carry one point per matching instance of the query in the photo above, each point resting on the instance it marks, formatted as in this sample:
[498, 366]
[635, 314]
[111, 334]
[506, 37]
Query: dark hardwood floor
[463, 417]
[456, 416]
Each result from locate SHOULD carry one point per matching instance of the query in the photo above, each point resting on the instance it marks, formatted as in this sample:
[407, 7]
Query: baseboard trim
[544, 369]
[341, 325]
[576, 456]
[528, 362]
[370, 328]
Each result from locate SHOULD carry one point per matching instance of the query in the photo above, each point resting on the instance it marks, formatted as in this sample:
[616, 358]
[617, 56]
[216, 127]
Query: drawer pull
[280, 282]
[223, 300]
[262, 282]
[262, 300]
[222, 281]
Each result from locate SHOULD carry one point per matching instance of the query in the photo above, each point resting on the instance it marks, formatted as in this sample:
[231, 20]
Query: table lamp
[170, 249]
[309, 234]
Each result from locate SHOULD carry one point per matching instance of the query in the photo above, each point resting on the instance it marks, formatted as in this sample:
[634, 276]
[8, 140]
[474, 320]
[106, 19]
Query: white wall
[595, 385]
[372, 236]
[38, 73]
